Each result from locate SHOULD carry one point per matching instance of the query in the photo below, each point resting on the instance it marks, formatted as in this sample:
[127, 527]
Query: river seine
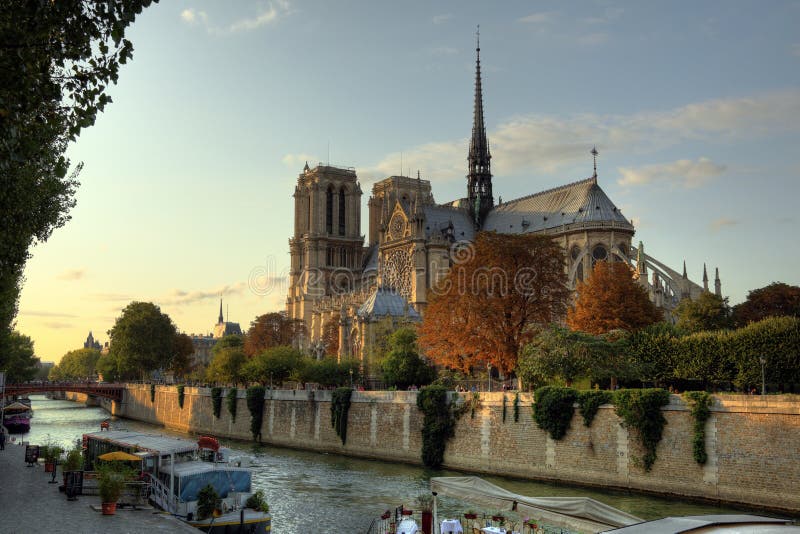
[312, 492]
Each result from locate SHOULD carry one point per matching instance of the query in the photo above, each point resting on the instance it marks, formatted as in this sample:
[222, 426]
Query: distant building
[91, 343]
[224, 328]
[204, 343]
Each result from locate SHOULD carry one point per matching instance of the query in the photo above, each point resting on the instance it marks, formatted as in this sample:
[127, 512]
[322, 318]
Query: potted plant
[51, 453]
[110, 483]
[74, 460]
[257, 502]
[499, 517]
[207, 502]
[470, 514]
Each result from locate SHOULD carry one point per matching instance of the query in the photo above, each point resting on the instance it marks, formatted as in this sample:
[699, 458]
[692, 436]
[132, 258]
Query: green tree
[142, 340]
[182, 350]
[652, 352]
[108, 367]
[228, 360]
[328, 372]
[707, 312]
[704, 356]
[56, 61]
[403, 366]
[559, 353]
[274, 366]
[775, 300]
[77, 364]
[19, 361]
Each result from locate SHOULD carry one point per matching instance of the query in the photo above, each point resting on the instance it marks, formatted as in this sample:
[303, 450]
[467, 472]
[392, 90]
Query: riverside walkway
[29, 504]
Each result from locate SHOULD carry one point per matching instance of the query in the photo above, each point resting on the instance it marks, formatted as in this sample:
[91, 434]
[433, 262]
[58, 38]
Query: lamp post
[489, 367]
[763, 361]
[351, 378]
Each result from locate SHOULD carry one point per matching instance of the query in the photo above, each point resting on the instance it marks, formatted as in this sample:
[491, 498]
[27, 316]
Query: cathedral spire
[221, 318]
[717, 284]
[594, 154]
[705, 278]
[479, 179]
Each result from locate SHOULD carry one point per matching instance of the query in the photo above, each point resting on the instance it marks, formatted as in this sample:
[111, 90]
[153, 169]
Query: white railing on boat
[162, 496]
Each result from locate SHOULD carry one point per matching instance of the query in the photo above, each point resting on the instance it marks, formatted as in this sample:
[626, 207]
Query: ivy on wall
[590, 401]
[474, 403]
[231, 397]
[640, 409]
[700, 403]
[255, 404]
[504, 407]
[553, 409]
[516, 407]
[340, 407]
[152, 393]
[216, 401]
[438, 424]
[180, 395]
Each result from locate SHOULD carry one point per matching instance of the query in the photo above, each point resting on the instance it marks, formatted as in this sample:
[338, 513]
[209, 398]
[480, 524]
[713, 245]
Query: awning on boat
[578, 513]
[17, 407]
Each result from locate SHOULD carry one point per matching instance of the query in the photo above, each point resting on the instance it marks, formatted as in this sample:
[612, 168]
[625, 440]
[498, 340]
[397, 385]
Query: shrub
[438, 424]
[256, 501]
[590, 401]
[216, 401]
[340, 406]
[180, 396]
[640, 409]
[206, 501]
[152, 393]
[255, 404]
[231, 397]
[553, 409]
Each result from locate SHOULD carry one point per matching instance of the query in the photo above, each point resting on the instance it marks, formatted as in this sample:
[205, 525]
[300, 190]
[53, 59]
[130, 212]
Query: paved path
[29, 504]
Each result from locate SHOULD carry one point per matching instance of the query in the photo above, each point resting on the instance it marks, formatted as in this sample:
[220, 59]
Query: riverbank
[30, 504]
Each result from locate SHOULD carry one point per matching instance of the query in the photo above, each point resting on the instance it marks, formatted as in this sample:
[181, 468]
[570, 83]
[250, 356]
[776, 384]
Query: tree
[182, 350]
[328, 372]
[482, 311]
[330, 337]
[274, 365]
[610, 300]
[142, 340]
[56, 61]
[77, 364]
[228, 361]
[403, 366]
[652, 352]
[19, 361]
[707, 312]
[775, 300]
[272, 330]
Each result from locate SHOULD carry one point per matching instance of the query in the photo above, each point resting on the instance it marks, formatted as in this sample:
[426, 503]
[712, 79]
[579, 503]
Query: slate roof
[384, 302]
[576, 203]
[371, 259]
[438, 218]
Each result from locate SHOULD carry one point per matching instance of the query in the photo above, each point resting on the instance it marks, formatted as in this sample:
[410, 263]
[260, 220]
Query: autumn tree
[775, 300]
[483, 310]
[611, 300]
[706, 312]
[272, 330]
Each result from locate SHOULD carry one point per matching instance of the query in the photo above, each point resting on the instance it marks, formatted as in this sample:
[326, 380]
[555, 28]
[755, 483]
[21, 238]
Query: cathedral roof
[576, 203]
[226, 329]
[441, 217]
[385, 302]
[371, 259]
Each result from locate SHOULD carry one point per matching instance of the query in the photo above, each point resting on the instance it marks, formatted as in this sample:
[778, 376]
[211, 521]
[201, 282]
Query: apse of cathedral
[339, 283]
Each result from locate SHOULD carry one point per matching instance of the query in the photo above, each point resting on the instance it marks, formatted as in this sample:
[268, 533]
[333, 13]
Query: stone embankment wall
[753, 444]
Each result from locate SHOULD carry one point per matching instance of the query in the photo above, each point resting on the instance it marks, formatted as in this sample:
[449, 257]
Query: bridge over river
[93, 389]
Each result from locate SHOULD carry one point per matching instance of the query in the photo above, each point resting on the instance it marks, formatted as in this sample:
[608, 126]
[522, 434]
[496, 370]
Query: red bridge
[108, 391]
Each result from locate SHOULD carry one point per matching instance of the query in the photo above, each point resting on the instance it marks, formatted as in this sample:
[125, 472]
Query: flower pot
[109, 508]
[470, 516]
[498, 518]
[407, 512]
[49, 467]
[385, 515]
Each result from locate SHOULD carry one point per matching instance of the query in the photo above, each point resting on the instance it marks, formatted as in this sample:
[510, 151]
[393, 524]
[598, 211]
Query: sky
[186, 190]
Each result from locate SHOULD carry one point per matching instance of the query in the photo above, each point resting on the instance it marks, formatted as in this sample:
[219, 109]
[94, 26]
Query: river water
[313, 492]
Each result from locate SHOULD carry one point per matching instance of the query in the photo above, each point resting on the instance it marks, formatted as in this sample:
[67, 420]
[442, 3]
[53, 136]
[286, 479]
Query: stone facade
[751, 442]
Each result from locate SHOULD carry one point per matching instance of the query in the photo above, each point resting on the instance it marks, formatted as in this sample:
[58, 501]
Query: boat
[176, 470]
[17, 418]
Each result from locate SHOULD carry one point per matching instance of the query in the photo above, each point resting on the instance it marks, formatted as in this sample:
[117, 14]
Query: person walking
[2, 439]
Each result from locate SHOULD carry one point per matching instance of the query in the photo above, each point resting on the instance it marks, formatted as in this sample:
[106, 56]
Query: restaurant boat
[17, 418]
[177, 469]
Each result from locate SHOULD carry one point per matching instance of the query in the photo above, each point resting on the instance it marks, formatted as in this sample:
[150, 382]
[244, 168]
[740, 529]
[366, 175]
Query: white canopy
[578, 513]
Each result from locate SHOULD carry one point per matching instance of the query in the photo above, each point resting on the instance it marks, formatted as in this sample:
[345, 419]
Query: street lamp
[763, 361]
[489, 367]
[351, 378]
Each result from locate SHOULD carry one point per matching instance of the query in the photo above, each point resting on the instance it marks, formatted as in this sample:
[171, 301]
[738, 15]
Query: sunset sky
[188, 175]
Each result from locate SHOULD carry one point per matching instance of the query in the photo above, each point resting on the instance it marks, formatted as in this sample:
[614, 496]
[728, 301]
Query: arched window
[341, 211]
[579, 273]
[575, 252]
[329, 210]
[599, 253]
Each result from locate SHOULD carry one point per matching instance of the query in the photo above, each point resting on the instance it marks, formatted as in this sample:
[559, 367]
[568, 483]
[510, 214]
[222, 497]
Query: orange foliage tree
[611, 300]
[483, 310]
[272, 330]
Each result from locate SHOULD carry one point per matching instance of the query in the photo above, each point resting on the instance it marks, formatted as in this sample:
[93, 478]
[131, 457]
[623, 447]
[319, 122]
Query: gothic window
[599, 253]
[398, 269]
[575, 252]
[342, 257]
[329, 210]
[329, 256]
[341, 211]
[397, 226]
[579, 273]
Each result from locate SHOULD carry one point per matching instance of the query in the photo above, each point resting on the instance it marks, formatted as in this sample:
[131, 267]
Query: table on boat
[451, 526]
[494, 530]
[407, 526]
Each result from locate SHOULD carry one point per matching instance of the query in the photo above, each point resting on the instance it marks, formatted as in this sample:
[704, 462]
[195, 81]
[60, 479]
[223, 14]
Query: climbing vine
[438, 425]
[590, 401]
[340, 406]
[180, 396]
[516, 407]
[640, 409]
[553, 409]
[152, 393]
[231, 403]
[474, 403]
[504, 407]
[700, 402]
[216, 401]
[255, 404]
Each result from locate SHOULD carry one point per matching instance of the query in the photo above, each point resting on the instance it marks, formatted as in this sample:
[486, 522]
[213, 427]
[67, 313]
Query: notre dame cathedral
[335, 280]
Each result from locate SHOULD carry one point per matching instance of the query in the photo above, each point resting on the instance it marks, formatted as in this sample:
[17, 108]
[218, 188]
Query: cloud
[593, 39]
[542, 17]
[546, 143]
[688, 173]
[72, 274]
[178, 297]
[193, 16]
[609, 15]
[36, 313]
[57, 325]
[722, 222]
[441, 19]
[274, 11]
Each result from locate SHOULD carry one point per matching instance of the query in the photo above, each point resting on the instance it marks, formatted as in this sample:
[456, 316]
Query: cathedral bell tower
[479, 179]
